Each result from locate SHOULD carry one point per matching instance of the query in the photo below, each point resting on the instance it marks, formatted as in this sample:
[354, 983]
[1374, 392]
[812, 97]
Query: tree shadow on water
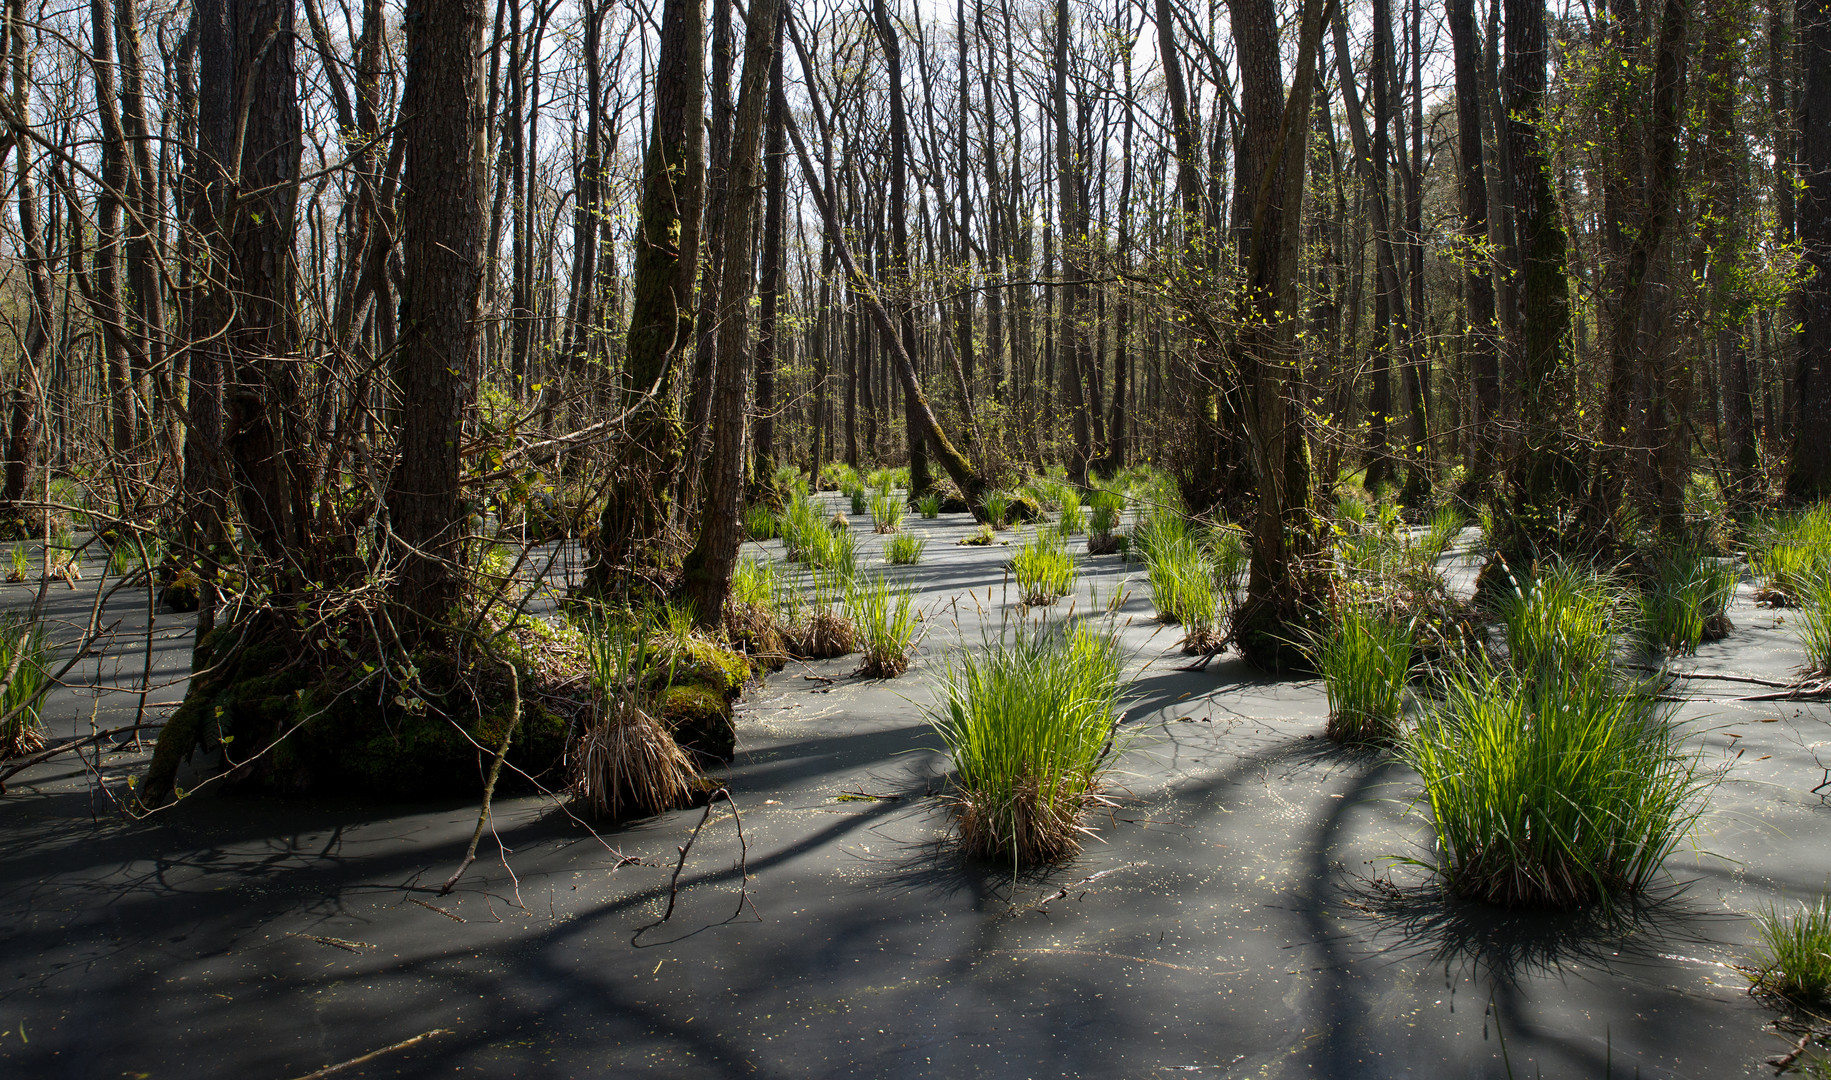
[1508, 945]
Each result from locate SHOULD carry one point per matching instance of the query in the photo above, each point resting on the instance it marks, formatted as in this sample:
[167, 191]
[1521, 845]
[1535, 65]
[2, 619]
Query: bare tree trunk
[707, 579]
[443, 123]
[1478, 348]
[769, 282]
[900, 270]
[636, 512]
[1809, 465]
[22, 439]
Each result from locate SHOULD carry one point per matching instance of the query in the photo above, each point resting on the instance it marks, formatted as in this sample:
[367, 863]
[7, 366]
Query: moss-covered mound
[286, 725]
[698, 681]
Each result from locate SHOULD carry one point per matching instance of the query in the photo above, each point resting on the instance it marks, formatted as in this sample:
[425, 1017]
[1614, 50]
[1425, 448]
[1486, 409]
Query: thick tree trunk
[1479, 348]
[708, 567]
[1279, 595]
[441, 215]
[636, 512]
[1543, 473]
[1809, 465]
[261, 397]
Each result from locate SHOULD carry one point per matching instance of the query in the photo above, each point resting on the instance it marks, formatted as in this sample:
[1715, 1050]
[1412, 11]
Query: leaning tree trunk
[441, 227]
[902, 283]
[970, 482]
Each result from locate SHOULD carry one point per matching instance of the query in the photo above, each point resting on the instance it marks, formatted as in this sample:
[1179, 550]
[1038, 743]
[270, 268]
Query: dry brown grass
[826, 634]
[628, 765]
[1023, 826]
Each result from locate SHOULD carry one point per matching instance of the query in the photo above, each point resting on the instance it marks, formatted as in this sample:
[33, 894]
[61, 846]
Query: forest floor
[1245, 911]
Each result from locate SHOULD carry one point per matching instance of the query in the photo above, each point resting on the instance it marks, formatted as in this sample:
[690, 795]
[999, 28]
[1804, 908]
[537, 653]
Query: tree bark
[441, 215]
[1479, 348]
[1809, 465]
[636, 511]
[707, 579]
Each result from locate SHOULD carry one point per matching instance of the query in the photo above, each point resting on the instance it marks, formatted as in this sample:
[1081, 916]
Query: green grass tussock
[1044, 569]
[25, 650]
[1029, 722]
[887, 512]
[1684, 598]
[886, 618]
[904, 549]
[1553, 792]
[1365, 661]
[1787, 550]
[1793, 952]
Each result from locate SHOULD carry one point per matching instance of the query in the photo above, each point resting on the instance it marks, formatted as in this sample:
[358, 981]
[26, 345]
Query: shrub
[1793, 958]
[1044, 569]
[837, 475]
[886, 619]
[886, 512]
[997, 508]
[790, 481]
[1684, 598]
[1552, 791]
[929, 506]
[21, 705]
[760, 522]
[882, 481]
[904, 549]
[1364, 660]
[1029, 722]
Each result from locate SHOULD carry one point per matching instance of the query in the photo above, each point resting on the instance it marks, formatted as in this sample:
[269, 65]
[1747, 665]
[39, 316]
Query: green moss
[1021, 510]
[700, 718]
[288, 728]
[701, 661]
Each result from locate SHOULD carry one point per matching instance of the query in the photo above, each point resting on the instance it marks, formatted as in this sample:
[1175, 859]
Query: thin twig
[489, 786]
[329, 1070]
[674, 882]
[1063, 892]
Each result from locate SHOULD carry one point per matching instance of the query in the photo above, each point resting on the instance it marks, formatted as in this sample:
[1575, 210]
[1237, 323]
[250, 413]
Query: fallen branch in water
[330, 1070]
